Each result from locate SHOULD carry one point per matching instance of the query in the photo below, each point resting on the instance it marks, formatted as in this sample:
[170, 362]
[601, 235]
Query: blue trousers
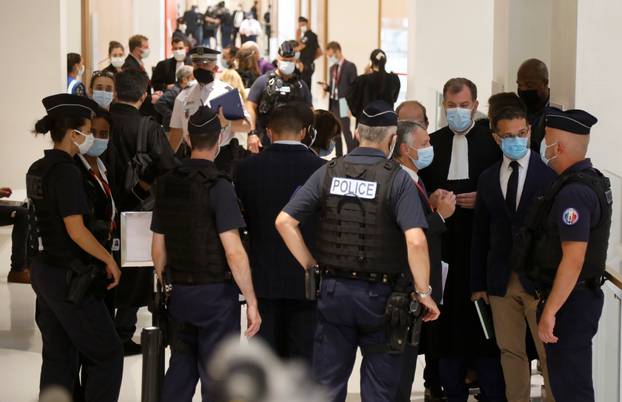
[215, 312]
[347, 310]
[570, 359]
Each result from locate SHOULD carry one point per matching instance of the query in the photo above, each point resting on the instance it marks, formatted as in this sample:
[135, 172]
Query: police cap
[67, 105]
[287, 49]
[573, 121]
[378, 114]
[202, 54]
[203, 121]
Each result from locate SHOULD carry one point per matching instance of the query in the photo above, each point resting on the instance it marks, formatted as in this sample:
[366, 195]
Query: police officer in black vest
[71, 270]
[197, 247]
[563, 249]
[371, 232]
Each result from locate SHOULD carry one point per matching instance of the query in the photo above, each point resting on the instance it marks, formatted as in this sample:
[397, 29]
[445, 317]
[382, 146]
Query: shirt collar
[411, 173]
[87, 165]
[523, 162]
[288, 142]
[366, 151]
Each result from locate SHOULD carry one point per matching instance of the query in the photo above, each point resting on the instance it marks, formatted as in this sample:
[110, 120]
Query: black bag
[138, 165]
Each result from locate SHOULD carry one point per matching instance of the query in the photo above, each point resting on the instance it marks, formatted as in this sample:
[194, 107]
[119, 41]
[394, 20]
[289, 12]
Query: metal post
[153, 364]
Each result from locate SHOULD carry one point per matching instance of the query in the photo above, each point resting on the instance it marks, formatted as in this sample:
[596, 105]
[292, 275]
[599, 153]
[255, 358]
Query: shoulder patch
[570, 216]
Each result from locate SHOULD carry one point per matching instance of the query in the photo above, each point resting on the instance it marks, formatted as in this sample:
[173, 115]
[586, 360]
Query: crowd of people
[337, 238]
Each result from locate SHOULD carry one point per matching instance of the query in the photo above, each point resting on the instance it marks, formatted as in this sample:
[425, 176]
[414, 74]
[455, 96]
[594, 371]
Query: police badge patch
[570, 216]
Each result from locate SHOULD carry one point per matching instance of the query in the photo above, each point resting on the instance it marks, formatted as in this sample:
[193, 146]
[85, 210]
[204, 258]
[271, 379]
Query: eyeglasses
[101, 73]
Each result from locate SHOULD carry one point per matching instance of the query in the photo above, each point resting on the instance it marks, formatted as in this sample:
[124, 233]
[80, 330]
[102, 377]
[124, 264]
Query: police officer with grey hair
[563, 249]
[371, 231]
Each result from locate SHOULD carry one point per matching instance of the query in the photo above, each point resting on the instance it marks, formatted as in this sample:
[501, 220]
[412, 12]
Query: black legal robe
[460, 330]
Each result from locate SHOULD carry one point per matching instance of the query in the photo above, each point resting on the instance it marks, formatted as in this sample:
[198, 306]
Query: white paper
[444, 272]
[344, 110]
[136, 239]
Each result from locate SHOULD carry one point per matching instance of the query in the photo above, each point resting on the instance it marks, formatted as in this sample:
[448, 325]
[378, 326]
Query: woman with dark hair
[327, 142]
[72, 270]
[116, 54]
[375, 84]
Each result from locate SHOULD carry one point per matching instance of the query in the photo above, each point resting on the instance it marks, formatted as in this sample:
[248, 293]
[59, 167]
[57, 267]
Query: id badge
[116, 244]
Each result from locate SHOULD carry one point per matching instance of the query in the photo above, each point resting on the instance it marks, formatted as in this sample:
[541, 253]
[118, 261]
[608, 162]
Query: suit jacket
[265, 183]
[494, 226]
[164, 73]
[347, 75]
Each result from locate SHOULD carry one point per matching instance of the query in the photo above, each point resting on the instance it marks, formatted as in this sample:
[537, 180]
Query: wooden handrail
[614, 277]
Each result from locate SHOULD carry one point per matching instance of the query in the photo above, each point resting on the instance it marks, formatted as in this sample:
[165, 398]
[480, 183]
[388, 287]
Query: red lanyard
[108, 192]
[422, 191]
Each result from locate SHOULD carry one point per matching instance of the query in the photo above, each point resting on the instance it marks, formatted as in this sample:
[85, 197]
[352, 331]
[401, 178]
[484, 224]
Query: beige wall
[562, 69]
[110, 20]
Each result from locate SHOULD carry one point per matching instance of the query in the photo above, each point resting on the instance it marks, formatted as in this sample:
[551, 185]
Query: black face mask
[203, 76]
[531, 98]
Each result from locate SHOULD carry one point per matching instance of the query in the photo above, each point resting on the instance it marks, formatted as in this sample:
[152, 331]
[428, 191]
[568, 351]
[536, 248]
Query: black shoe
[131, 348]
[434, 395]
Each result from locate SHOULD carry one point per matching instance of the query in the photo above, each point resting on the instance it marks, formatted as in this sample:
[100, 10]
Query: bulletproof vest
[47, 230]
[358, 230]
[279, 92]
[542, 258]
[188, 221]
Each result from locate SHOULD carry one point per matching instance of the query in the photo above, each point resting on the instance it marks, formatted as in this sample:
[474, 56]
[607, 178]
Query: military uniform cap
[67, 105]
[378, 114]
[574, 121]
[204, 121]
[202, 54]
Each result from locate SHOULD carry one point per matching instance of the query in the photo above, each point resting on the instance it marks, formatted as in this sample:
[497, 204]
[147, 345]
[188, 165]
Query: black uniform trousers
[213, 312]
[68, 329]
[288, 325]
[348, 310]
[570, 359]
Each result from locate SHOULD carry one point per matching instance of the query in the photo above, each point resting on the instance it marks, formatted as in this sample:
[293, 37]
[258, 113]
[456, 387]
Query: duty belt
[372, 277]
[195, 278]
[591, 283]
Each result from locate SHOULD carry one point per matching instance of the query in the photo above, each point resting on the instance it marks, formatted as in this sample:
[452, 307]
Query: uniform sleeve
[177, 117]
[305, 200]
[226, 208]
[407, 204]
[254, 95]
[307, 94]
[575, 209]
[69, 191]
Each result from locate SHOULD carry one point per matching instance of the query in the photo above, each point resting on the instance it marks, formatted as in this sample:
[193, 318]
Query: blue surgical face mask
[459, 119]
[543, 148]
[514, 147]
[329, 151]
[103, 98]
[425, 155]
[99, 147]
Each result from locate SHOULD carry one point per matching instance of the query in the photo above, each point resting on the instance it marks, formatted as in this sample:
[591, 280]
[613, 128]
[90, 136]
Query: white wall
[453, 38]
[74, 25]
[562, 70]
[29, 82]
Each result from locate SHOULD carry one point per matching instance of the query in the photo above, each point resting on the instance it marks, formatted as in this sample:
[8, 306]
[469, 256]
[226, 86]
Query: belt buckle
[373, 277]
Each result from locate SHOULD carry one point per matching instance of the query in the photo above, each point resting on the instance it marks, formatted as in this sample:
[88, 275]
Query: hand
[466, 200]
[155, 97]
[436, 196]
[446, 204]
[480, 295]
[253, 143]
[253, 319]
[546, 327]
[5, 192]
[170, 86]
[223, 120]
[113, 271]
[432, 311]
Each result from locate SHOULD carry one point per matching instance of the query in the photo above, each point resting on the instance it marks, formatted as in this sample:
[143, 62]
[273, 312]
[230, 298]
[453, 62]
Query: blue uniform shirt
[576, 209]
[404, 197]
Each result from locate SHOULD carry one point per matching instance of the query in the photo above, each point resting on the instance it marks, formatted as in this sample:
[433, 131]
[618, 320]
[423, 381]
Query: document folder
[231, 104]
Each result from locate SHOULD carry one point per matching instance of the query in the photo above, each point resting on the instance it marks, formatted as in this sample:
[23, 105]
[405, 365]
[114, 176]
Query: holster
[312, 283]
[398, 322]
[83, 279]
[416, 313]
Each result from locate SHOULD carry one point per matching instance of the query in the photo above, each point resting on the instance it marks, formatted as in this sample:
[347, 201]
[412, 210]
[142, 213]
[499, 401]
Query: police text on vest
[353, 188]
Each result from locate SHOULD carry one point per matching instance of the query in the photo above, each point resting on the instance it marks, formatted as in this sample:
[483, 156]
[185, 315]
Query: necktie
[512, 190]
[423, 192]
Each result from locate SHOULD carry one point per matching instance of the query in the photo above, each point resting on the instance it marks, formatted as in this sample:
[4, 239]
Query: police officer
[71, 316]
[192, 97]
[371, 230]
[274, 88]
[566, 258]
[197, 246]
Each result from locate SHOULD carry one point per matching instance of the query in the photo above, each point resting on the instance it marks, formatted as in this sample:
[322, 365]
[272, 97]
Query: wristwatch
[424, 294]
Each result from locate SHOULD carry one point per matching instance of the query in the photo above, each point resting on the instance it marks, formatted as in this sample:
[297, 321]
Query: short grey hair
[184, 72]
[374, 134]
[404, 130]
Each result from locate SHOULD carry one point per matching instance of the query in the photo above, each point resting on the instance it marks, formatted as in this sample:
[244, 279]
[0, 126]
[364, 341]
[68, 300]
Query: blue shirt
[404, 196]
[576, 209]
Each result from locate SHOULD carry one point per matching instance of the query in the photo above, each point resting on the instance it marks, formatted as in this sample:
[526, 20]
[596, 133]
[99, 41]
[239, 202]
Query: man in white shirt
[191, 98]
[505, 193]
[250, 28]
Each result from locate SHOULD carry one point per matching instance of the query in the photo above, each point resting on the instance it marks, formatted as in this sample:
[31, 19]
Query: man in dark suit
[462, 151]
[265, 183]
[164, 73]
[533, 89]
[414, 152]
[505, 192]
[342, 74]
[139, 50]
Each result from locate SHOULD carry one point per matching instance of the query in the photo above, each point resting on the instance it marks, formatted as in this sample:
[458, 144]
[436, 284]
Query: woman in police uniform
[71, 322]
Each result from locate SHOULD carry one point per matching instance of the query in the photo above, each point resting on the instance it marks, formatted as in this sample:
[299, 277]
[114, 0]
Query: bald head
[412, 111]
[533, 84]
[564, 148]
[534, 68]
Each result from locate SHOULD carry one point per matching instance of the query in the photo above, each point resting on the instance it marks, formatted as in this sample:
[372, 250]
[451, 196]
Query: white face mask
[86, 144]
[145, 53]
[332, 60]
[117, 62]
[192, 83]
[287, 67]
[103, 98]
[303, 29]
[179, 54]
[183, 27]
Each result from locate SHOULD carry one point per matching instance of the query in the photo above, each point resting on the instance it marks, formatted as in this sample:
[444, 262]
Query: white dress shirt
[459, 165]
[411, 173]
[506, 171]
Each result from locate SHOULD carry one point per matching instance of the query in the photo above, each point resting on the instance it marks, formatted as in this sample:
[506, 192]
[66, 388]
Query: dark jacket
[146, 108]
[123, 141]
[370, 87]
[265, 183]
[230, 156]
[345, 80]
[164, 105]
[164, 73]
[494, 226]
